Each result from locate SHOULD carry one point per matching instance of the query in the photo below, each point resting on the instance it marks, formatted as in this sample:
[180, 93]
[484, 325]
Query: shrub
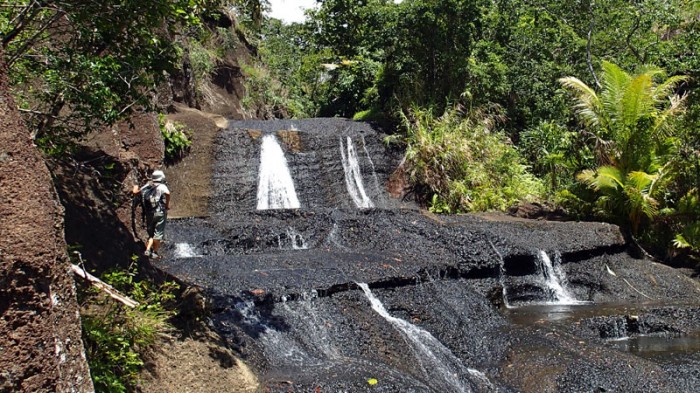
[460, 163]
[116, 337]
[176, 137]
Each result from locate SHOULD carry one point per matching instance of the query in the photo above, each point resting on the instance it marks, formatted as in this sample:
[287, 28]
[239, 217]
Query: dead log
[97, 283]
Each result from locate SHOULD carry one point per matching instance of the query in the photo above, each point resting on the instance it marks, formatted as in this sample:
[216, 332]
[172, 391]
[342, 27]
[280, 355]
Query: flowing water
[433, 356]
[275, 184]
[185, 250]
[554, 280]
[438, 274]
[353, 175]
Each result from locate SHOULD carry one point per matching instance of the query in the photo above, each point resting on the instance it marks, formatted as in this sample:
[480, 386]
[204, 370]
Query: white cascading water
[185, 250]
[353, 176]
[275, 184]
[502, 274]
[375, 178]
[434, 357]
[554, 280]
[296, 240]
[282, 349]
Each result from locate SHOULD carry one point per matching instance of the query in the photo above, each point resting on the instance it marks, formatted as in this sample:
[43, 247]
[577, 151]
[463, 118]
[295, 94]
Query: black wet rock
[283, 286]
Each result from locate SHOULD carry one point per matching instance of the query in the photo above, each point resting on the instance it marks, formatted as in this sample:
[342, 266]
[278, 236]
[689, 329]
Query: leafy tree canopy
[76, 65]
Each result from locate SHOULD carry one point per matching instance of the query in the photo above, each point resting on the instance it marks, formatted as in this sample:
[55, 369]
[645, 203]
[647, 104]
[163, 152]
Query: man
[155, 201]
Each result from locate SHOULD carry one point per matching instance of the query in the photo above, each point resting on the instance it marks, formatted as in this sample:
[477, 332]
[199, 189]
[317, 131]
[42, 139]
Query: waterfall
[554, 279]
[502, 275]
[435, 359]
[296, 240]
[275, 185]
[283, 349]
[185, 250]
[377, 187]
[353, 176]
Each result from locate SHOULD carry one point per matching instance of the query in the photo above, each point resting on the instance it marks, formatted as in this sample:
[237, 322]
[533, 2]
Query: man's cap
[158, 176]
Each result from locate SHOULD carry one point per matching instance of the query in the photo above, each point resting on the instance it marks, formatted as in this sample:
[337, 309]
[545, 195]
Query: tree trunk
[40, 338]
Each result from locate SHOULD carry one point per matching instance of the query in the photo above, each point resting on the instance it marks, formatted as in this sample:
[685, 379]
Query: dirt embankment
[40, 345]
[95, 188]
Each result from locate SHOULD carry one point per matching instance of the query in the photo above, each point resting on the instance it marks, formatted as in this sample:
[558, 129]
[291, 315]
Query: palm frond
[667, 87]
[614, 82]
[606, 179]
[587, 102]
[637, 102]
[641, 180]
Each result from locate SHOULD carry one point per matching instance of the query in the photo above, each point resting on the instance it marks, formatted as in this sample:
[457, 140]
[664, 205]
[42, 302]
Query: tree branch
[21, 21]
[32, 41]
[629, 43]
[108, 289]
[589, 57]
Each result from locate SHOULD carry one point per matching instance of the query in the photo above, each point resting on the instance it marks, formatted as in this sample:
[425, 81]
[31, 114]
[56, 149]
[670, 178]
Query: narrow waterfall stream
[433, 356]
[554, 280]
[353, 176]
[275, 185]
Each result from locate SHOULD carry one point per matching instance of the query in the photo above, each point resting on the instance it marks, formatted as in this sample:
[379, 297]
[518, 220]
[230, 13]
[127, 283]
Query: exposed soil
[196, 361]
[40, 347]
[95, 190]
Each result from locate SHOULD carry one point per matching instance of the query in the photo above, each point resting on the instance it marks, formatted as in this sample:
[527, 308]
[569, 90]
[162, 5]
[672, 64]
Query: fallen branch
[96, 282]
[612, 273]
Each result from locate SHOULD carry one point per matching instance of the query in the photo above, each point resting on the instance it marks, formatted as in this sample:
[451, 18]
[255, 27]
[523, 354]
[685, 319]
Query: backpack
[150, 199]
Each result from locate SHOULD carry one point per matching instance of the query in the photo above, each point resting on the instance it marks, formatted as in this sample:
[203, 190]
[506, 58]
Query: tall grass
[459, 162]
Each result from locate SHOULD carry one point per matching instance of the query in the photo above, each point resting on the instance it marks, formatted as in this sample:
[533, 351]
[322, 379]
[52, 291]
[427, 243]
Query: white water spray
[377, 187]
[296, 240]
[433, 356]
[275, 184]
[353, 176]
[281, 348]
[185, 250]
[554, 279]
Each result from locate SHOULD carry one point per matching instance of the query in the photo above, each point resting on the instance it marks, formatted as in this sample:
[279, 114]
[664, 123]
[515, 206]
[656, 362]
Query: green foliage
[109, 57]
[688, 214]
[265, 97]
[203, 59]
[116, 337]
[348, 86]
[463, 164]
[631, 123]
[176, 137]
[628, 198]
[555, 153]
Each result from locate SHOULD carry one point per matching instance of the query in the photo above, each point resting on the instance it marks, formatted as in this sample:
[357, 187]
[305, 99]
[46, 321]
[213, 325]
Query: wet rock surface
[286, 285]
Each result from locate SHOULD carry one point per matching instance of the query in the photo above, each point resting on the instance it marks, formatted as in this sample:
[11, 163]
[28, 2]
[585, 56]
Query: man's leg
[159, 232]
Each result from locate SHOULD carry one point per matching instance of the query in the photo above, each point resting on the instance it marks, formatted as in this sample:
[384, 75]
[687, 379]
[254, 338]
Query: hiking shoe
[154, 255]
[147, 253]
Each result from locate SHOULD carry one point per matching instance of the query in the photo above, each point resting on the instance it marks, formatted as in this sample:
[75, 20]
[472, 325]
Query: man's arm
[167, 201]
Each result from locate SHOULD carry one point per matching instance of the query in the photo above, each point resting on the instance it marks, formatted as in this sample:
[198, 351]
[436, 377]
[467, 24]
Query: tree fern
[632, 121]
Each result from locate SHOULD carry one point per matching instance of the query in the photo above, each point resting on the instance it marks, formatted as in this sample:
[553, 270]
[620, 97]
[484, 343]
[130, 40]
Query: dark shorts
[155, 225]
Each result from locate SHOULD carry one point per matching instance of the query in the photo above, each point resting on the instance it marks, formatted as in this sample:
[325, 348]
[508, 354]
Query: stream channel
[322, 281]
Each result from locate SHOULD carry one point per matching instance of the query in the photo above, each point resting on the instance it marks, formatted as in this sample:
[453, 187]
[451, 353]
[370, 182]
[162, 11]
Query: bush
[176, 137]
[460, 163]
[116, 337]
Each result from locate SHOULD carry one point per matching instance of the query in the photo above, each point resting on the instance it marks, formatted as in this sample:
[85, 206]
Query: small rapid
[553, 280]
